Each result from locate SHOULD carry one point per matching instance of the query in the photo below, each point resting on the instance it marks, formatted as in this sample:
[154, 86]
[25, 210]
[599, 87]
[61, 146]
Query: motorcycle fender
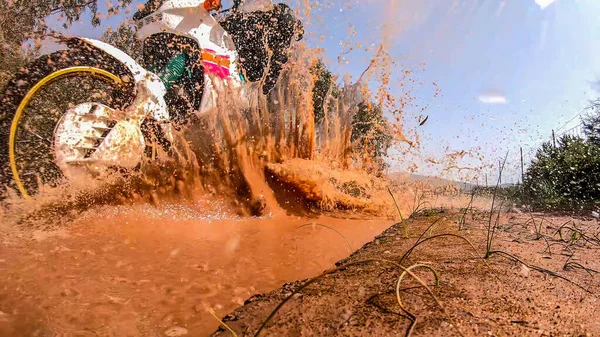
[150, 90]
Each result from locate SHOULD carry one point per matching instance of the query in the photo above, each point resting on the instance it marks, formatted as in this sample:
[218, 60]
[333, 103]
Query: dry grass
[405, 270]
[568, 234]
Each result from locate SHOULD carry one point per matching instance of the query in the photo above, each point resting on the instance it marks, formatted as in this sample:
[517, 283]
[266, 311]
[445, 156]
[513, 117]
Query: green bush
[512, 193]
[567, 176]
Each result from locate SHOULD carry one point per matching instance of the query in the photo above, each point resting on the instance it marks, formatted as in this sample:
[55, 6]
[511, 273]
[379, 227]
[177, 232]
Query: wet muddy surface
[146, 271]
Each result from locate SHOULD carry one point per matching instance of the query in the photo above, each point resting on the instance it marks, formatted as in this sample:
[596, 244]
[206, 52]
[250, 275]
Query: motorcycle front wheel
[34, 105]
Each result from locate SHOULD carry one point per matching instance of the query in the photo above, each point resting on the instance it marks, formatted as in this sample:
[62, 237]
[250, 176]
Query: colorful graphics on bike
[216, 64]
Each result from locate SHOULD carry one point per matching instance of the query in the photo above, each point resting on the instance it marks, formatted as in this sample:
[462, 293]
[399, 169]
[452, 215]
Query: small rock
[66, 292]
[175, 331]
[168, 318]
[525, 270]
[60, 249]
[362, 291]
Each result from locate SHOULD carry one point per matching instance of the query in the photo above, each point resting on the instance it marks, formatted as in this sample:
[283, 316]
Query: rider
[250, 22]
[175, 59]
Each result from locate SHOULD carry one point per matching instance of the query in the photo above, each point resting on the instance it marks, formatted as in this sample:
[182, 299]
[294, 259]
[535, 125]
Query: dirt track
[504, 299]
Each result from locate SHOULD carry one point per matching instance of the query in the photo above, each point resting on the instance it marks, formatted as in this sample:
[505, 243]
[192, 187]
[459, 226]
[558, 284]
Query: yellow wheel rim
[15, 123]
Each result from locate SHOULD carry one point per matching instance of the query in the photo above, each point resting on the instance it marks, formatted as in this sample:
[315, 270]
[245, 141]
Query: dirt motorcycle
[90, 109]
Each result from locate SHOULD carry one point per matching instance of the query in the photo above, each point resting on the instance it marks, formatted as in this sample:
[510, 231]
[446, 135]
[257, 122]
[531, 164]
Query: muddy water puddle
[140, 271]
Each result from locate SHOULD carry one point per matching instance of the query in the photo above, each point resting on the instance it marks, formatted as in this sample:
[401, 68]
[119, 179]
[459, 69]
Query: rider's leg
[176, 60]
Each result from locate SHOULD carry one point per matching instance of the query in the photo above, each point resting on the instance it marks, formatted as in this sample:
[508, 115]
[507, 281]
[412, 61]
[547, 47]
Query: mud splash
[222, 153]
[242, 155]
[234, 146]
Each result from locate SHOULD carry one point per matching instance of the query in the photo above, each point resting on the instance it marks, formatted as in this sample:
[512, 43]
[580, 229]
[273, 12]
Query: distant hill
[434, 181]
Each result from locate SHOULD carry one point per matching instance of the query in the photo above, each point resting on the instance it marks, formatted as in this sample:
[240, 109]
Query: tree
[22, 20]
[371, 134]
[565, 176]
[10, 62]
[591, 123]
[324, 86]
[123, 37]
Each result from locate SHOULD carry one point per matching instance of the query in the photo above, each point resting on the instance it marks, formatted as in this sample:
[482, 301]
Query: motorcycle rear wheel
[36, 99]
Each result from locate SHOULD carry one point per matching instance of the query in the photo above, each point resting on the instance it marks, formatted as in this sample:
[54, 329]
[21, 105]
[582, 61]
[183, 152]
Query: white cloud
[492, 97]
[544, 3]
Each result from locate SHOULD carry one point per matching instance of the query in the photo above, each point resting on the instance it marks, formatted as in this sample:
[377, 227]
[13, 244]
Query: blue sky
[509, 71]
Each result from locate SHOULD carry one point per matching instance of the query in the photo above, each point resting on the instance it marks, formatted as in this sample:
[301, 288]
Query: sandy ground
[500, 298]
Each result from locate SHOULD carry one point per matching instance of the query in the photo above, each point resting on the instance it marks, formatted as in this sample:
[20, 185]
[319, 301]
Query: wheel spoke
[30, 173]
[37, 136]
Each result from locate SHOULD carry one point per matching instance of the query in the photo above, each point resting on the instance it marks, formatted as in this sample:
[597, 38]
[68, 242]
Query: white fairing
[146, 82]
[139, 73]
